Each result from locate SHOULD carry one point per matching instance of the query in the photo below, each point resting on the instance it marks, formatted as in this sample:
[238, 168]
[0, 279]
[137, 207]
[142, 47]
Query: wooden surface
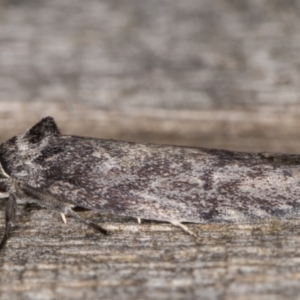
[198, 72]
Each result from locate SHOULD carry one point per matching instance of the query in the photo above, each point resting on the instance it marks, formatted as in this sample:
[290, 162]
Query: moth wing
[136, 180]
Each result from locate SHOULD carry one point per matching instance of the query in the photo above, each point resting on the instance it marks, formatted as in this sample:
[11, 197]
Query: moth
[144, 181]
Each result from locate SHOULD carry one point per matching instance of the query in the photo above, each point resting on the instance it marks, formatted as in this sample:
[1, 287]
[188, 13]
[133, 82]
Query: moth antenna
[73, 214]
[10, 218]
[186, 229]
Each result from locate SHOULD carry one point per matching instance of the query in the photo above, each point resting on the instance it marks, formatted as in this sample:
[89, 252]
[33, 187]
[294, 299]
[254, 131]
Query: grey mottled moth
[145, 181]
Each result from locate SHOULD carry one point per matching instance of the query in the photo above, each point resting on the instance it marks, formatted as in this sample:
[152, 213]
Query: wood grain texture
[46, 259]
[203, 73]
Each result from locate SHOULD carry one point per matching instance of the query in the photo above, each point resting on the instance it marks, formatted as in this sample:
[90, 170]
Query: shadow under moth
[145, 181]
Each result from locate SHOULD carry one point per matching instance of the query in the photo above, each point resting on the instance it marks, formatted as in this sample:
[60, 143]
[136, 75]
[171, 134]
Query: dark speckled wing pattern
[144, 181]
[165, 182]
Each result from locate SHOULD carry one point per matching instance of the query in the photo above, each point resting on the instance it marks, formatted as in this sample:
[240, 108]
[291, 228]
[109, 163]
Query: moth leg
[32, 206]
[63, 216]
[10, 218]
[73, 214]
[186, 229]
[139, 220]
[3, 172]
[52, 203]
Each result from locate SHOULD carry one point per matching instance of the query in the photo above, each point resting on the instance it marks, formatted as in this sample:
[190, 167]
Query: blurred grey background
[194, 72]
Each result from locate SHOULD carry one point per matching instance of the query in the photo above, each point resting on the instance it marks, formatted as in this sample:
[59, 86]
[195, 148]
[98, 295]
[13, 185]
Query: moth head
[26, 146]
[43, 129]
